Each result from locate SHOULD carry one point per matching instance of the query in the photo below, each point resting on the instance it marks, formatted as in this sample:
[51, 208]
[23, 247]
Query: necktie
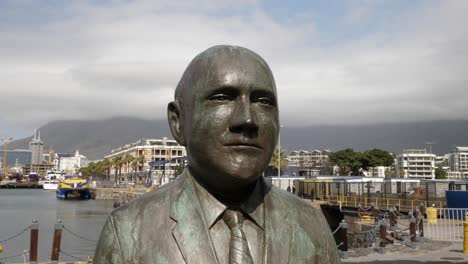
[238, 248]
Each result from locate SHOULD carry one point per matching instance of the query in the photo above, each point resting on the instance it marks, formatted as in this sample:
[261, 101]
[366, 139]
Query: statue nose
[243, 119]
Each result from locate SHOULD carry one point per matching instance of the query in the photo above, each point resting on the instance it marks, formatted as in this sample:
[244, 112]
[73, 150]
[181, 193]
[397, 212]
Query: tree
[390, 173]
[134, 169]
[279, 161]
[348, 161]
[440, 174]
[94, 169]
[117, 163]
[107, 165]
[377, 157]
[141, 162]
[178, 169]
[127, 160]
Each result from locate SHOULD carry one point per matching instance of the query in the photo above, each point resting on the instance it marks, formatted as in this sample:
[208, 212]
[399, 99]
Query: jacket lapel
[279, 233]
[189, 230]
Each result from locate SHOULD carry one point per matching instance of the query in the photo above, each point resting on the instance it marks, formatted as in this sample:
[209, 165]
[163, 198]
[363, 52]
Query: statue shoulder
[291, 200]
[154, 202]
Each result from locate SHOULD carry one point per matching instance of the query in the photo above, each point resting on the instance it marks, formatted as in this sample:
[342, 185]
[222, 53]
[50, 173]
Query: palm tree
[141, 162]
[127, 160]
[279, 161]
[134, 168]
[107, 165]
[117, 162]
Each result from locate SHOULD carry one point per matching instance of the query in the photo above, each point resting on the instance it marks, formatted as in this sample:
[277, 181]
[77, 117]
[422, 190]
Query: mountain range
[96, 138]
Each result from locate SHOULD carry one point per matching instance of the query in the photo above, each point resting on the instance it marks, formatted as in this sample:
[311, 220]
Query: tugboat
[75, 186]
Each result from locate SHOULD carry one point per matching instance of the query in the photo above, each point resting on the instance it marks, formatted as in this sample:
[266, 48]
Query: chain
[336, 230]
[75, 234]
[15, 256]
[16, 235]
[71, 256]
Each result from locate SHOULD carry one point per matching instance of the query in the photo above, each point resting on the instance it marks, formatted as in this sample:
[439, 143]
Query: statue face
[231, 129]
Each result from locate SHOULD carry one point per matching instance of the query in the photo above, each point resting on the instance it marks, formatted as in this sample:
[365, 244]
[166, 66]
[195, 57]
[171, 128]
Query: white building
[458, 163]
[163, 154]
[36, 146]
[416, 163]
[70, 165]
[378, 171]
[308, 163]
[458, 160]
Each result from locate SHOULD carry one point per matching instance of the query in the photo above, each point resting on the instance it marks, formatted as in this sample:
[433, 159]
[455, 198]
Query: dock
[12, 184]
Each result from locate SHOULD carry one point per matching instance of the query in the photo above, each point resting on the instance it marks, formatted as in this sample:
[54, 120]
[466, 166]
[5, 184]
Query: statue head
[225, 113]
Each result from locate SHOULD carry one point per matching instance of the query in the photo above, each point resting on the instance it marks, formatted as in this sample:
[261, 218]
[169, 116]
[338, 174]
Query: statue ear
[175, 122]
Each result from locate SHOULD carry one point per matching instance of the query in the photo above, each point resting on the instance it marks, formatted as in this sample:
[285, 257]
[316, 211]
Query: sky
[335, 62]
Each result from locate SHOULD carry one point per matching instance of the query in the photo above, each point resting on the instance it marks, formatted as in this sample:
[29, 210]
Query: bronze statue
[220, 210]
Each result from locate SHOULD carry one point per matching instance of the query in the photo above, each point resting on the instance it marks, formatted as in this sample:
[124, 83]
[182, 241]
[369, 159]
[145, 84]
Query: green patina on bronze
[225, 113]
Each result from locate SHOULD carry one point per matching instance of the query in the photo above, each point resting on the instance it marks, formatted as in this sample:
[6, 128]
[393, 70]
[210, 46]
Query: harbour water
[18, 207]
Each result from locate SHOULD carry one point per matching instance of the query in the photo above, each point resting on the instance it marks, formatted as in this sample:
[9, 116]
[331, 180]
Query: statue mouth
[244, 145]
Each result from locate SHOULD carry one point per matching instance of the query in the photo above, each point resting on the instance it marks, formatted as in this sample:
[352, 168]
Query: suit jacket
[166, 226]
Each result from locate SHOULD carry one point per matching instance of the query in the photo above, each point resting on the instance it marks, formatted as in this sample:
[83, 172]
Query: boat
[75, 186]
[50, 185]
[51, 180]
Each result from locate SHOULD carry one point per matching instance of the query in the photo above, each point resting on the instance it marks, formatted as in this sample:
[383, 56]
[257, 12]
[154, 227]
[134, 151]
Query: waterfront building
[71, 165]
[163, 155]
[416, 163]
[458, 160]
[308, 163]
[36, 146]
[378, 171]
[39, 169]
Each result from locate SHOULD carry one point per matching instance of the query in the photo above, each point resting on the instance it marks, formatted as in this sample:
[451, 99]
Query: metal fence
[446, 225]
[382, 203]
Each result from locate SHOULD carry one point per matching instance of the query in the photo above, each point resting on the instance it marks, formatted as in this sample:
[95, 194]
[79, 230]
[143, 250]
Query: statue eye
[265, 101]
[220, 97]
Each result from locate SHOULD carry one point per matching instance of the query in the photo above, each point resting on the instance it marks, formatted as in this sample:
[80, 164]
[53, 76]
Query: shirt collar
[212, 208]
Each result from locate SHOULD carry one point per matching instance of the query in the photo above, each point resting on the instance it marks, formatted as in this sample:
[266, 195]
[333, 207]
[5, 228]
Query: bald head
[207, 66]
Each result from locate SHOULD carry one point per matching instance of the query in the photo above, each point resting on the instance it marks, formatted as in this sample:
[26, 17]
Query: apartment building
[458, 160]
[416, 163]
[307, 163]
[458, 163]
[163, 155]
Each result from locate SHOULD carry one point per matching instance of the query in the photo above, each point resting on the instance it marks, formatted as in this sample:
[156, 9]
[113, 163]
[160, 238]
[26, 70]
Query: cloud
[126, 57]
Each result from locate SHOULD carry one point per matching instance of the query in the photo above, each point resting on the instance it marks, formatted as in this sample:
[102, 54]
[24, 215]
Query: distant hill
[94, 139]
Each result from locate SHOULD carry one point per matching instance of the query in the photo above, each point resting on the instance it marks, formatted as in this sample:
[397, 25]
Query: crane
[5, 150]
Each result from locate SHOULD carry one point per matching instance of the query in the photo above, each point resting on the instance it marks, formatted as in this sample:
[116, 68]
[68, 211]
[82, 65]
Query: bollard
[56, 243]
[383, 234]
[412, 228]
[343, 235]
[421, 225]
[33, 242]
[465, 239]
[432, 215]
[416, 216]
[393, 218]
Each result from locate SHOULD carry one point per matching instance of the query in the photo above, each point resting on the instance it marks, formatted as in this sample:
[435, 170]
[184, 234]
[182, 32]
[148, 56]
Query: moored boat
[73, 187]
[51, 180]
[50, 185]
